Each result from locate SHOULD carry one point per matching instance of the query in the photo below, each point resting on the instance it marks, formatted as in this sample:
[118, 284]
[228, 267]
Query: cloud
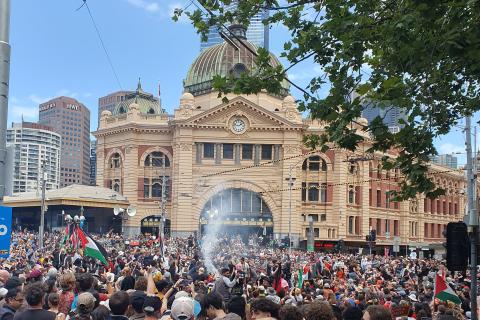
[37, 99]
[145, 5]
[16, 112]
[449, 148]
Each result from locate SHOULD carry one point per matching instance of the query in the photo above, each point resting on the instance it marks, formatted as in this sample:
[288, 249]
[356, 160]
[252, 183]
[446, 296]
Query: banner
[5, 231]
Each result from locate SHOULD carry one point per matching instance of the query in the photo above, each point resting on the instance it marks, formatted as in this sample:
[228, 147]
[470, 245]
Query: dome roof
[224, 59]
[146, 103]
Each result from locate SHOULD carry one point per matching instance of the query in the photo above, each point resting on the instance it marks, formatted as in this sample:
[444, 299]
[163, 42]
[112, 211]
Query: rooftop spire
[139, 86]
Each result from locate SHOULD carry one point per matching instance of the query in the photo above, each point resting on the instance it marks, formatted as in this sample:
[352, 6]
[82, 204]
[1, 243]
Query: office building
[36, 150]
[71, 119]
[257, 32]
[110, 101]
[390, 115]
[93, 162]
[446, 160]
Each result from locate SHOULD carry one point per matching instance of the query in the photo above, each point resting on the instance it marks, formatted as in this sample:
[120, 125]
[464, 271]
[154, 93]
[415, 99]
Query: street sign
[5, 231]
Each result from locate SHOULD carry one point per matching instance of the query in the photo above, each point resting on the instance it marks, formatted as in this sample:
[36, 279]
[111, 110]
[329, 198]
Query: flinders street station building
[242, 164]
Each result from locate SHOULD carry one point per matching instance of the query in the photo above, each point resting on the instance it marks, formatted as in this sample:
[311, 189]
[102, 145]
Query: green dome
[223, 59]
[146, 102]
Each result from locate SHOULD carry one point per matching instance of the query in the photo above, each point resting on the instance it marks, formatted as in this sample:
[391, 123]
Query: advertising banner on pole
[5, 231]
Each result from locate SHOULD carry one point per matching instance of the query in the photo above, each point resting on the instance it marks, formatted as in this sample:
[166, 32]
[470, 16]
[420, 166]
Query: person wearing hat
[13, 301]
[151, 307]
[85, 306]
[137, 300]
[183, 309]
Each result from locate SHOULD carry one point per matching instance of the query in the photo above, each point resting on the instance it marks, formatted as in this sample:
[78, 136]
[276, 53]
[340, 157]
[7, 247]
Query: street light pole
[473, 217]
[43, 209]
[4, 84]
[290, 184]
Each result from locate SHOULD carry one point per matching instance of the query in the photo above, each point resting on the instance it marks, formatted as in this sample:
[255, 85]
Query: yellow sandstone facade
[231, 162]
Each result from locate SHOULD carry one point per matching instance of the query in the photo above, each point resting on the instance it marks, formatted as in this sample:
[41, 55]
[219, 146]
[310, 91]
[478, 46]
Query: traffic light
[457, 246]
[373, 235]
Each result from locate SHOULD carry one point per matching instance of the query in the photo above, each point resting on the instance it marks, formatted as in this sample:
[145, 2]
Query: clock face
[238, 125]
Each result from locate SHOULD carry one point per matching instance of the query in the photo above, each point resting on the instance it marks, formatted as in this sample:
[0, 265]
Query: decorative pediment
[254, 116]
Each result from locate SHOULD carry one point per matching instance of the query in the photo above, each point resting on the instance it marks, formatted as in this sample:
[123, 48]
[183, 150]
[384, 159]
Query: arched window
[151, 111]
[314, 163]
[122, 110]
[157, 159]
[351, 194]
[116, 161]
[353, 168]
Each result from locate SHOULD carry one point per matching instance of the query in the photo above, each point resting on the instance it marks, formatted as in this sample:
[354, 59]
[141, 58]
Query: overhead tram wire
[250, 49]
[358, 182]
[102, 43]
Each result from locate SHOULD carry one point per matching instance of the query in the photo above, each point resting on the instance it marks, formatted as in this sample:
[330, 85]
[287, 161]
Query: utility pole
[4, 85]
[473, 217]
[44, 207]
[290, 185]
[163, 204]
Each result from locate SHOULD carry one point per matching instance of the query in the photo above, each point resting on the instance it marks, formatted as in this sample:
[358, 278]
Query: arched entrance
[150, 225]
[240, 212]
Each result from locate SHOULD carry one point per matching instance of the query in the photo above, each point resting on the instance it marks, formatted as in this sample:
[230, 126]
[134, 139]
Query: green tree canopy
[420, 56]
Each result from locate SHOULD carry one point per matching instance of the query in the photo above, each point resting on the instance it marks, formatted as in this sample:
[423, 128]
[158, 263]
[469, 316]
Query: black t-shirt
[37, 314]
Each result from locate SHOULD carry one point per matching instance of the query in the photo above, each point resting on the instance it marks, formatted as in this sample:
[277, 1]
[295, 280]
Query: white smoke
[210, 240]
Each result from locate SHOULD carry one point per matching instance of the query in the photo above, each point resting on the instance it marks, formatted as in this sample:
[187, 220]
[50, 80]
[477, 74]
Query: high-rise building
[36, 150]
[93, 162]
[71, 119]
[446, 160]
[390, 116]
[257, 32]
[110, 101]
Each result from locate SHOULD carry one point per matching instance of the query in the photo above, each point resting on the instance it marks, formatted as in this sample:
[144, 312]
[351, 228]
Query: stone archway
[241, 184]
[237, 211]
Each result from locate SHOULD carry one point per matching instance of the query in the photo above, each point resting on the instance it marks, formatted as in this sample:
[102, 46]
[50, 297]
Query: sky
[56, 51]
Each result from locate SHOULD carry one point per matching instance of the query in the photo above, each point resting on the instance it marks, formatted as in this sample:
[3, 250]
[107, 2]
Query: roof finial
[139, 85]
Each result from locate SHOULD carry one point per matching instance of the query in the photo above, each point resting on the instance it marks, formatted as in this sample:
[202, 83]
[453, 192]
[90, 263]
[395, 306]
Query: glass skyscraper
[257, 32]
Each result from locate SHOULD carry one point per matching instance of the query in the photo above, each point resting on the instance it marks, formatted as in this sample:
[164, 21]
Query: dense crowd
[232, 279]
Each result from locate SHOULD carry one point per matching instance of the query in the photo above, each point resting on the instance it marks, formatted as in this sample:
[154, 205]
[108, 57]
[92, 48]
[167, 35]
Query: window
[157, 159]
[379, 226]
[323, 192]
[350, 224]
[208, 150]
[227, 151]
[116, 161]
[304, 191]
[314, 163]
[247, 151]
[379, 198]
[313, 192]
[387, 225]
[323, 217]
[314, 217]
[266, 152]
[156, 189]
[351, 194]
[387, 199]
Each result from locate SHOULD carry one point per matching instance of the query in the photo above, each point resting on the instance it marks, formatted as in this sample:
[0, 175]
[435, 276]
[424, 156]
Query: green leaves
[420, 56]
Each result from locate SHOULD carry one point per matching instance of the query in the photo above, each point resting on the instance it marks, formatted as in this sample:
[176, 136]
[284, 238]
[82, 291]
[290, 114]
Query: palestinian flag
[443, 292]
[300, 278]
[91, 248]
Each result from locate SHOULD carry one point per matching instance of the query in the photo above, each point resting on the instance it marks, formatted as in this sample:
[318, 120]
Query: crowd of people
[150, 279]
